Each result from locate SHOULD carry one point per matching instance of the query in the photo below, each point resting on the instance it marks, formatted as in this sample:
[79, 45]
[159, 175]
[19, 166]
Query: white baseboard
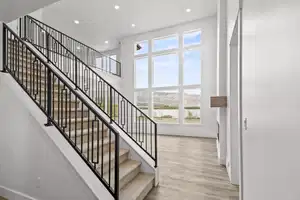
[13, 195]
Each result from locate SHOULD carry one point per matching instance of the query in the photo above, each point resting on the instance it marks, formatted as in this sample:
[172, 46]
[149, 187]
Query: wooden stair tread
[125, 168]
[137, 186]
[85, 131]
[105, 142]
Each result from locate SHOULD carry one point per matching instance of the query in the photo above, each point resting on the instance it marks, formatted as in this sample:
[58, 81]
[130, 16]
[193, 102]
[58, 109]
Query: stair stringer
[97, 191]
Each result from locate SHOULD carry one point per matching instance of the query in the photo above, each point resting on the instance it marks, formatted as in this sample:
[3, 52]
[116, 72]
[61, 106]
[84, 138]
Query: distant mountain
[168, 98]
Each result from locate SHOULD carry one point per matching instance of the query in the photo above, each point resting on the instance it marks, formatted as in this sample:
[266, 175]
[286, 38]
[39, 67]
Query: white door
[271, 105]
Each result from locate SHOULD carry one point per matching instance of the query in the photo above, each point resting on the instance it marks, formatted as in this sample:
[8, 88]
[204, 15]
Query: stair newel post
[4, 53]
[20, 27]
[49, 81]
[117, 150]
[25, 22]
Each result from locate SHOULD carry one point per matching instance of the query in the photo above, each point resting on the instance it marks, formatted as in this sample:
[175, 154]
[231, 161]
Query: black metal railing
[94, 139]
[136, 124]
[87, 54]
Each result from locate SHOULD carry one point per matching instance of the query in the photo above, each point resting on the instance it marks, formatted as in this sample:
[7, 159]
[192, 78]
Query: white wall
[222, 76]
[271, 99]
[209, 35]
[35, 160]
[228, 144]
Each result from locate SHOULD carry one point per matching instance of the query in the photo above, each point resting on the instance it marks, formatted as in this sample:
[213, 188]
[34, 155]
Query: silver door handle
[246, 123]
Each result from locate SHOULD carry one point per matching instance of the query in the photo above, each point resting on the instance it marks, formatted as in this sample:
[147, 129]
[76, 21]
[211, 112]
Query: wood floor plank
[189, 170]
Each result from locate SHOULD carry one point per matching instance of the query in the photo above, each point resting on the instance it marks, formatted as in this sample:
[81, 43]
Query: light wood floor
[189, 170]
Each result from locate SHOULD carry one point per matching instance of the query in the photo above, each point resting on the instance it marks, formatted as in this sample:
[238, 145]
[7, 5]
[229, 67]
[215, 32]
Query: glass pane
[192, 67]
[192, 38]
[165, 72]
[166, 106]
[192, 106]
[141, 48]
[141, 100]
[113, 64]
[165, 43]
[141, 73]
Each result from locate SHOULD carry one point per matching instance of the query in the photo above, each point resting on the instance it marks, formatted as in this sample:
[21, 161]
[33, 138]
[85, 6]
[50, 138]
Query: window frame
[180, 87]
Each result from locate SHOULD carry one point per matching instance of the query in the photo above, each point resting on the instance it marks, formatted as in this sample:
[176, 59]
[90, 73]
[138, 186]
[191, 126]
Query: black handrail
[82, 51]
[136, 124]
[64, 108]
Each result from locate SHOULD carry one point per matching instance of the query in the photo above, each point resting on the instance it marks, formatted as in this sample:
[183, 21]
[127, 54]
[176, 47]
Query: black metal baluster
[88, 129]
[70, 112]
[151, 140]
[109, 157]
[155, 132]
[93, 123]
[102, 156]
[146, 139]
[117, 161]
[81, 128]
[75, 120]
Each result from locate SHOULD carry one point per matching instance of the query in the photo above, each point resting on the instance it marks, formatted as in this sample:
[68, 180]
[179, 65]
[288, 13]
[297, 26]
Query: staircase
[95, 140]
[78, 66]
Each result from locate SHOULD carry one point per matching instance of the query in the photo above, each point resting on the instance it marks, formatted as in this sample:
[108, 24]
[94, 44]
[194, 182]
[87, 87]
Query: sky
[166, 67]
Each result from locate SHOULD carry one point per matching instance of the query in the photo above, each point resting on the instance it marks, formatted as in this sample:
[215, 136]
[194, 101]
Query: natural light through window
[192, 67]
[169, 90]
[166, 106]
[192, 38]
[165, 70]
[192, 98]
[141, 48]
[141, 73]
[166, 43]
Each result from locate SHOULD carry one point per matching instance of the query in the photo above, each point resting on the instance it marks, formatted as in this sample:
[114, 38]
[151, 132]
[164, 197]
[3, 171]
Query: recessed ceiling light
[106, 42]
[188, 10]
[76, 21]
[117, 7]
[133, 25]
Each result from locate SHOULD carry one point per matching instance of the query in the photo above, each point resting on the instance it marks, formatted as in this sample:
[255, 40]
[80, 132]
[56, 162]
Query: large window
[169, 90]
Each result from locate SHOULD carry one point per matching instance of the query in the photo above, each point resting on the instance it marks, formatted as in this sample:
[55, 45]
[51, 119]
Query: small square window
[192, 38]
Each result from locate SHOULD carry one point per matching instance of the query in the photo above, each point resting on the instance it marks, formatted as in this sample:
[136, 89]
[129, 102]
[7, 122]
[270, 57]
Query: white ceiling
[99, 21]
[13, 9]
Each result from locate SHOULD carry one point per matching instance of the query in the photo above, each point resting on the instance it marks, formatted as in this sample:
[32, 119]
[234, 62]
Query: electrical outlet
[38, 184]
